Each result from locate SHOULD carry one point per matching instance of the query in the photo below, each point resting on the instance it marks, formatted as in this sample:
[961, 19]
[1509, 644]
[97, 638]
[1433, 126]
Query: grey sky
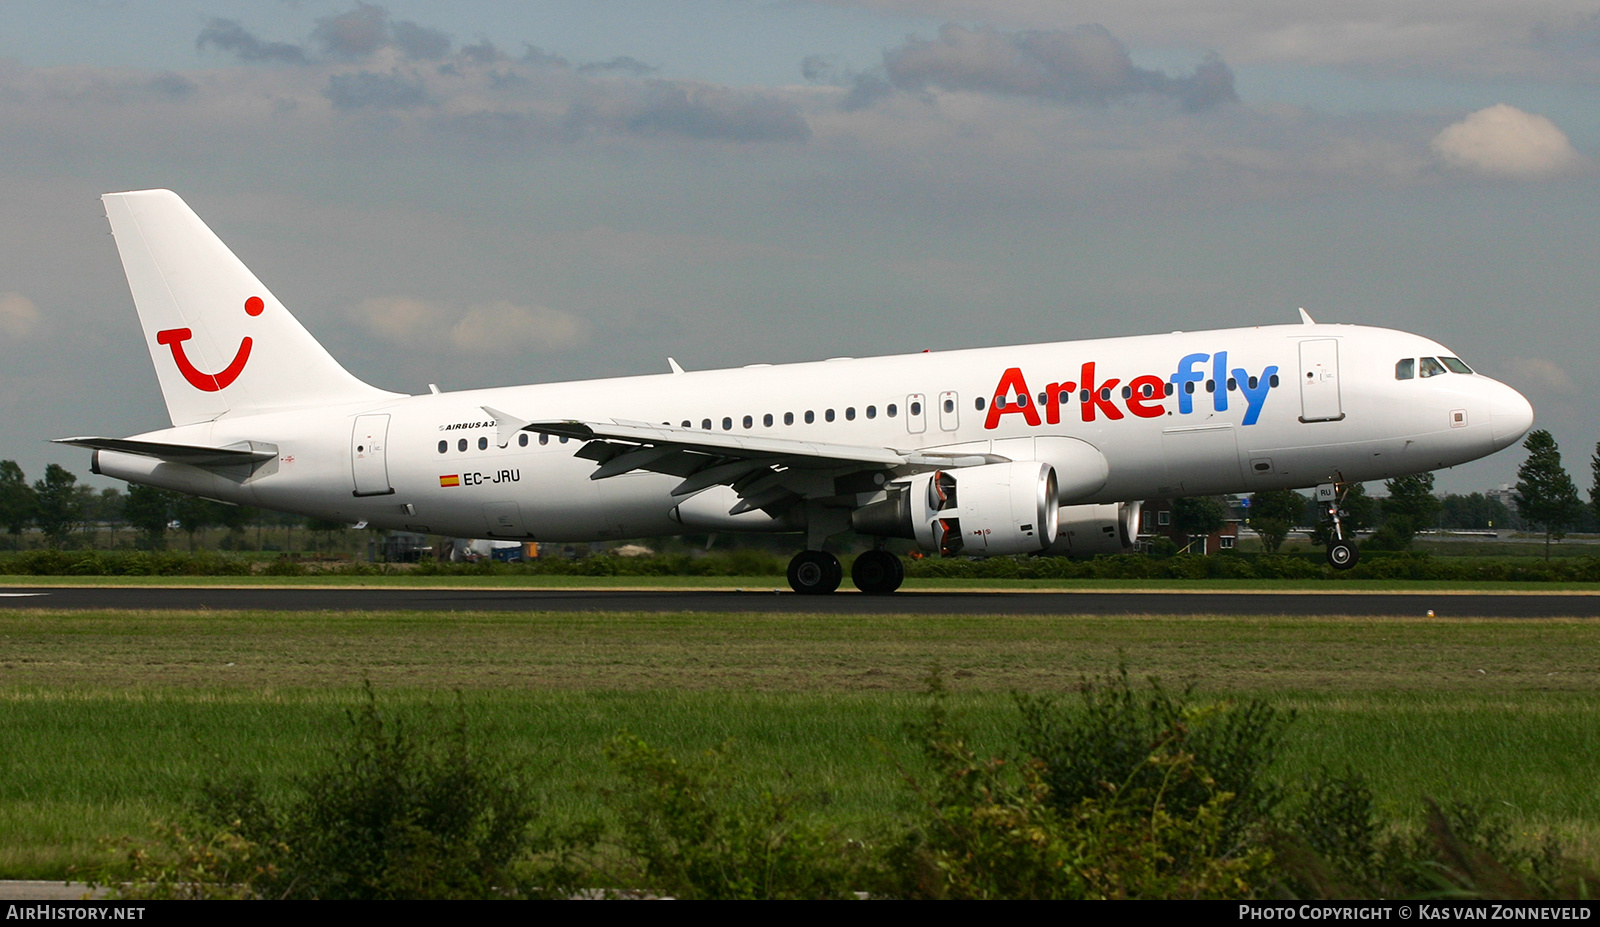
[490, 193]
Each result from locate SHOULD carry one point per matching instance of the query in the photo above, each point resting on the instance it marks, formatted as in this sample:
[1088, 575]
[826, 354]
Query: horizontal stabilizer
[247, 452]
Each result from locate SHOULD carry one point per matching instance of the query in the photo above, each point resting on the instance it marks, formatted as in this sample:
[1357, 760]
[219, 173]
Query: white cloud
[504, 328]
[18, 315]
[1547, 376]
[1530, 38]
[1506, 141]
[498, 327]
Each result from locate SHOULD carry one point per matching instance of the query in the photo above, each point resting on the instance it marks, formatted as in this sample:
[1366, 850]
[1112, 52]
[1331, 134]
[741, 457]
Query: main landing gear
[1342, 553]
[817, 572]
[878, 572]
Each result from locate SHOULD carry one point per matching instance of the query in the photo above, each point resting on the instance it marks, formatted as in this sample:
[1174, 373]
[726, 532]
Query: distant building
[1155, 520]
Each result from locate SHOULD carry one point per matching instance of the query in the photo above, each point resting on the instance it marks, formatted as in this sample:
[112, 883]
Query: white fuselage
[1308, 404]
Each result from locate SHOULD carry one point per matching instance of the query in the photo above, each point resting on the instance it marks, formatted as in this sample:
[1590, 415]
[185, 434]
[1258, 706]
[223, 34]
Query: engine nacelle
[1087, 530]
[987, 511]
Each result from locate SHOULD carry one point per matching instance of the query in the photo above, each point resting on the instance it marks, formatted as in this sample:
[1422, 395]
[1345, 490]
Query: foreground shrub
[395, 814]
[993, 828]
[1337, 846]
[683, 835]
[1118, 740]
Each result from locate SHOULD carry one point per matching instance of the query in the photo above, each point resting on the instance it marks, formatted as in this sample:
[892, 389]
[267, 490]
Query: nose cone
[1510, 417]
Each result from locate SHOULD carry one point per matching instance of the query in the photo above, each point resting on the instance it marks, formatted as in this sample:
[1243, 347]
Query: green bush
[997, 829]
[396, 813]
[1118, 740]
[1338, 846]
[683, 836]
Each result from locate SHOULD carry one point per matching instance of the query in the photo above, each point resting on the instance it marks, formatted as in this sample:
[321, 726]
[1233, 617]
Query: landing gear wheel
[1342, 555]
[877, 572]
[815, 572]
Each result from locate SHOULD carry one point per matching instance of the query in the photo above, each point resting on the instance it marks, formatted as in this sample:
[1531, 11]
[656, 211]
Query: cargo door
[504, 520]
[369, 465]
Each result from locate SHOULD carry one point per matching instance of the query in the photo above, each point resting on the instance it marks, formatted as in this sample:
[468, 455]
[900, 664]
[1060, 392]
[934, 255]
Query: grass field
[915, 584]
[108, 720]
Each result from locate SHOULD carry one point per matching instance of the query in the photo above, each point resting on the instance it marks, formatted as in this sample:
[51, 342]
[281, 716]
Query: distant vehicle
[1041, 448]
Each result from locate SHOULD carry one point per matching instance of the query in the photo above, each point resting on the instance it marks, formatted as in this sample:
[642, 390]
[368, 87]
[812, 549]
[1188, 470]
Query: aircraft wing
[763, 470]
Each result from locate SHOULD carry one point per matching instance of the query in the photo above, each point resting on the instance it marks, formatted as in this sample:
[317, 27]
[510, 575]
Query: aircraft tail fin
[221, 342]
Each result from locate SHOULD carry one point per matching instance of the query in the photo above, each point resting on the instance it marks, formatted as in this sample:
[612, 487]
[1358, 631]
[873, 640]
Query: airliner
[1023, 449]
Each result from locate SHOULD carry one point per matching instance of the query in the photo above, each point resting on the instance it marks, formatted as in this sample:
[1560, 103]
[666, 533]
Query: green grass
[109, 719]
[761, 583]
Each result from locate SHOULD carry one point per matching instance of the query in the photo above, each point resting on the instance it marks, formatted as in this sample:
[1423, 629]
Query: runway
[1412, 604]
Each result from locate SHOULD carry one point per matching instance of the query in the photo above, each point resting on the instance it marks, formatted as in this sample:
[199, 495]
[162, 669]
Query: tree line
[68, 514]
[1546, 500]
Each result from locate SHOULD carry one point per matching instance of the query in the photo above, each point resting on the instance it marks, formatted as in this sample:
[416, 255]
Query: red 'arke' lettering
[1098, 395]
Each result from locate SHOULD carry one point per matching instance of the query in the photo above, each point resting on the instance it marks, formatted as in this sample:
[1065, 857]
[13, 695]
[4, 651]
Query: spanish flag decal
[451, 480]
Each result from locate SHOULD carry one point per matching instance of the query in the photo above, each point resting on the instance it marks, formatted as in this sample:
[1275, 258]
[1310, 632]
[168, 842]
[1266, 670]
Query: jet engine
[1087, 530]
[997, 509]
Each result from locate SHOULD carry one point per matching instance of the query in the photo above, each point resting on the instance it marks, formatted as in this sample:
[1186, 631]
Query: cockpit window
[1431, 367]
[1455, 364]
[1406, 369]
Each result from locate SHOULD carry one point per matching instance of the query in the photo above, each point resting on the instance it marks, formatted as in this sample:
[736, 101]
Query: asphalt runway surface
[1414, 604]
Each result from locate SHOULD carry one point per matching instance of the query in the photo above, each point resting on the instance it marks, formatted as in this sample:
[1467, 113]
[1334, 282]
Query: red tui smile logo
[209, 382]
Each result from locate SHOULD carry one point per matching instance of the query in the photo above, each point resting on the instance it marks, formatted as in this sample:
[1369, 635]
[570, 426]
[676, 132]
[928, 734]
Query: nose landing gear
[1342, 554]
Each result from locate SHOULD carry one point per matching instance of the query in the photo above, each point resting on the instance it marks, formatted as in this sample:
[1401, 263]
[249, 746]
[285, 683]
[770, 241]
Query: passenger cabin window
[850, 413]
[522, 439]
[727, 423]
[461, 445]
[978, 403]
[1406, 368]
[766, 420]
[544, 438]
[705, 424]
[872, 411]
[788, 418]
[748, 421]
[810, 416]
[1431, 367]
[828, 415]
[916, 408]
[444, 446]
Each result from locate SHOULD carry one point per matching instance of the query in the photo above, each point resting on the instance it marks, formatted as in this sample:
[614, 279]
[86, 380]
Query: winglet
[1305, 317]
[676, 368]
